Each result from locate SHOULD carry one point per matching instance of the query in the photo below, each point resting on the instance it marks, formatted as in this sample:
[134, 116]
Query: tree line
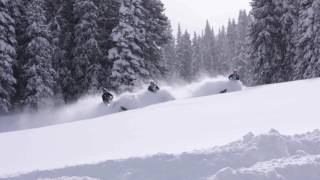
[284, 40]
[52, 52]
[209, 53]
[278, 41]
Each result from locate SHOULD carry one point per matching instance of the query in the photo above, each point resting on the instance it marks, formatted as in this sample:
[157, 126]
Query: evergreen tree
[179, 52]
[232, 40]
[315, 65]
[86, 53]
[7, 58]
[306, 35]
[266, 46]
[196, 56]
[208, 51]
[129, 42]
[289, 21]
[242, 28]
[241, 61]
[38, 76]
[222, 49]
[108, 18]
[186, 57]
[157, 27]
[62, 25]
[169, 55]
[52, 9]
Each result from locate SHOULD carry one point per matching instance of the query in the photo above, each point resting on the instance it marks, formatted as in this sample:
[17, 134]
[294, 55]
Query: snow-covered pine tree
[52, 9]
[37, 76]
[222, 44]
[61, 24]
[196, 56]
[127, 55]
[86, 53]
[179, 52]
[289, 21]
[316, 64]
[306, 35]
[169, 55]
[281, 65]
[241, 61]
[232, 39]
[108, 18]
[208, 49]
[7, 58]
[157, 27]
[242, 28]
[266, 46]
[186, 57]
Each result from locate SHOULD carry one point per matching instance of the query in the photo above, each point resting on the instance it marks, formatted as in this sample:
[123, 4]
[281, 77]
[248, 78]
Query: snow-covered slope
[274, 154]
[177, 126]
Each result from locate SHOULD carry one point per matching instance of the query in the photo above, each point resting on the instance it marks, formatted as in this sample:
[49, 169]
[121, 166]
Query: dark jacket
[153, 88]
[107, 97]
[234, 77]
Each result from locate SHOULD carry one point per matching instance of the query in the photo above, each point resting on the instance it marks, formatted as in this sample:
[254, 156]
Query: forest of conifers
[55, 51]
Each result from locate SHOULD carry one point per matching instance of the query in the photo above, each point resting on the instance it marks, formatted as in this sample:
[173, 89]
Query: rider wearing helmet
[107, 97]
[153, 87]
[234, 76]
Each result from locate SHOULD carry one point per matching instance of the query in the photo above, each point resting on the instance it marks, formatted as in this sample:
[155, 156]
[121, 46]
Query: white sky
[192, 14]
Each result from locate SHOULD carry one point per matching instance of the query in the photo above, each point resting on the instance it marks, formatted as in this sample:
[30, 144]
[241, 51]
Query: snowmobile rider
[153, 87]
[107, 97]
[234, 76]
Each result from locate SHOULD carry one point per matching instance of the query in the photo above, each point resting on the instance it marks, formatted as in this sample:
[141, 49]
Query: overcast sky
[192, 14]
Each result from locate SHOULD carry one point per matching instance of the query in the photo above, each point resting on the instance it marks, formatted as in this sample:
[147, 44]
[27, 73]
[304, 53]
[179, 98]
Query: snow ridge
[270, 156]
[296, 167]
[277, 157]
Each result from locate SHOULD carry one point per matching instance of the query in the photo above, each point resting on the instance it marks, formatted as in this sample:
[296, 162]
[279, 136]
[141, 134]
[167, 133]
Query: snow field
[270, 156]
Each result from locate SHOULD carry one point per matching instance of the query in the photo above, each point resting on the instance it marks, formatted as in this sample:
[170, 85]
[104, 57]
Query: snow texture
[294, 168]
[270, 156]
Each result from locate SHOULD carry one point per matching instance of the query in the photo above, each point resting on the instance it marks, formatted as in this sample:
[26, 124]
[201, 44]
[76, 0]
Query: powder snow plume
[89, 107]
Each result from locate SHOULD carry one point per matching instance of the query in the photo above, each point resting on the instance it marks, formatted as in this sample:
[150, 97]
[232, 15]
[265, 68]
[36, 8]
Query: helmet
[105, 90]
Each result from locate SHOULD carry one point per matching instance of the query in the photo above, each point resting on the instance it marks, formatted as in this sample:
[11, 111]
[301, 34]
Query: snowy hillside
[270, 156]
[182, 125]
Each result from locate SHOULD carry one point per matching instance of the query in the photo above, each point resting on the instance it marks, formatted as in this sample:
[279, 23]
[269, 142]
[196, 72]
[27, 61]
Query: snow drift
[92, 106]
[270, 156]
[296, 167]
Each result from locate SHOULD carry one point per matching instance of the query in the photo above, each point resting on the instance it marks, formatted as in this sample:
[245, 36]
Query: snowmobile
[153, 87]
